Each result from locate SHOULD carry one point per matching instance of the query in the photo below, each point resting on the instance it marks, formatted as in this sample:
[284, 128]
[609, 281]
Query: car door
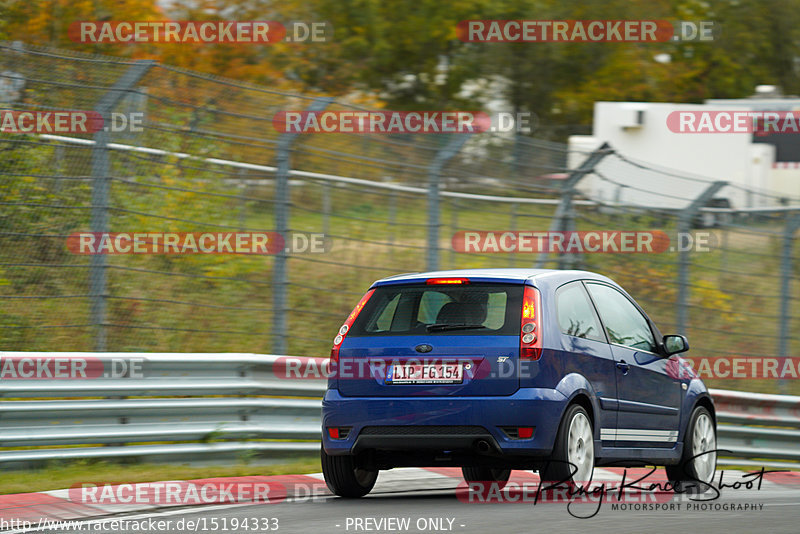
[648, 398]
[587, 352]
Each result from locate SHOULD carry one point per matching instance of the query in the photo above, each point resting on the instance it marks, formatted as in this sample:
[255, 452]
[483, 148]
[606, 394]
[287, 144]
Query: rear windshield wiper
[443, 326]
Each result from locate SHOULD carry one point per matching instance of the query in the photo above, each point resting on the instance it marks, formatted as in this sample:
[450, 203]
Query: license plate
[425, 373]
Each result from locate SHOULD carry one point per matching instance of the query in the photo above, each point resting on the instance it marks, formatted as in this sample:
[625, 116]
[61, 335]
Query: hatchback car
[498, 369]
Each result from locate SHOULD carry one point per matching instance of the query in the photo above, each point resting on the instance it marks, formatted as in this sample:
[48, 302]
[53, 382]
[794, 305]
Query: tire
[572, 460]
[486, 474]
[701, 437]
[344, 478]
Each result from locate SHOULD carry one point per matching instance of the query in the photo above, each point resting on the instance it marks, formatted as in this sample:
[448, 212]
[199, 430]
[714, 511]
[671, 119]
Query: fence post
[282, 198]
[434, 177]
[101, 188]
[792, 225]
[243, 191]
[392, 219]
[513, 228]
[685, 219]
[563, 219]
[454, 207]
[724, 258]
[326, 208]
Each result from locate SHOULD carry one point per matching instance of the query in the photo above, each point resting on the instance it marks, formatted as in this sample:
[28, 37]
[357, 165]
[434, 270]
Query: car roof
[497, 275]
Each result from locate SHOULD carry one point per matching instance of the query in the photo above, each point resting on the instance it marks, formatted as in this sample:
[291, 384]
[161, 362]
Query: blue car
[498, 369]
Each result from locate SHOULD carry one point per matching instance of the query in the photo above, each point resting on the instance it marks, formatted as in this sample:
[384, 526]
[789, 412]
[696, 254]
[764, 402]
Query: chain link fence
[209, 159]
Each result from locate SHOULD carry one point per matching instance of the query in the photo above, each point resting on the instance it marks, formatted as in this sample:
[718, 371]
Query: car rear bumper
[443, 423]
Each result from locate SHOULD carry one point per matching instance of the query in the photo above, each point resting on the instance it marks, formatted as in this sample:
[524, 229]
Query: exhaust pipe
[483, 446]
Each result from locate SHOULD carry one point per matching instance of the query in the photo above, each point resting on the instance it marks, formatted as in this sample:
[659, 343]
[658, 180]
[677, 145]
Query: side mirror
[673, 344]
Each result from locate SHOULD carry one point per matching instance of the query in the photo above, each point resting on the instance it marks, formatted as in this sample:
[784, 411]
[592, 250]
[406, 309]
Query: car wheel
[698, 462]
[486, 474]
[344, 478]
[572, 460]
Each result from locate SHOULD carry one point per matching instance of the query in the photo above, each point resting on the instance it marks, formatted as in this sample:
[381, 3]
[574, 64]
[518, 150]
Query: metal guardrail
[758, 428]
[250, 403]
[222, 402]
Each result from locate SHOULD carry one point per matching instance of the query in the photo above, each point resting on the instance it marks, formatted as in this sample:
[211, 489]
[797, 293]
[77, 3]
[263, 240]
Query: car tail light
[447, 281]
[525, 432]
[518, 432]
[530, 336]
[340, 432]
[345, 328]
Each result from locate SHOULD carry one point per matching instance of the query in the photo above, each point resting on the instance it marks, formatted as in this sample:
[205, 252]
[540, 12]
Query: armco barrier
[758, 426]
[232, 403]
[221, 402]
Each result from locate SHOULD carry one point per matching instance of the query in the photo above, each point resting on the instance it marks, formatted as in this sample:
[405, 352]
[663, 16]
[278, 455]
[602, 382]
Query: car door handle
[622, 366]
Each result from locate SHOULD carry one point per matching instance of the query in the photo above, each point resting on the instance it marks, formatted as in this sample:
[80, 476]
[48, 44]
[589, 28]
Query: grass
[66, 474]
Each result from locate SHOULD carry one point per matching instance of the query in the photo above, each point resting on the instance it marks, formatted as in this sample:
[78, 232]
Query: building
[664, 164]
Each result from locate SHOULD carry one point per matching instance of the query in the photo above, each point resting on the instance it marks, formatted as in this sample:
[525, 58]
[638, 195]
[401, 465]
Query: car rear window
[411, 309]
